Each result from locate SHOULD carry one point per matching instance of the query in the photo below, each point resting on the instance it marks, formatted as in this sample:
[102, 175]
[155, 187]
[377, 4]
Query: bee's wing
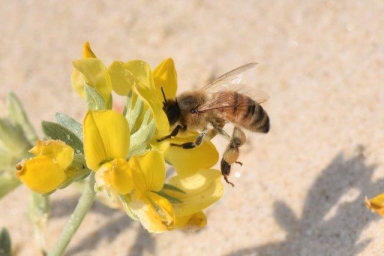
[234, 81]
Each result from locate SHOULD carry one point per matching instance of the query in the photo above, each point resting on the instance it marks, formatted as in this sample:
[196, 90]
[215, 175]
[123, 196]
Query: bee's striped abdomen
[246, 113]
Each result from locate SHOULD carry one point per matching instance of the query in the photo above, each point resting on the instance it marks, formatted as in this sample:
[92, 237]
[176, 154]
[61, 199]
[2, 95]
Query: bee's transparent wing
[232, 77]
[234, 81]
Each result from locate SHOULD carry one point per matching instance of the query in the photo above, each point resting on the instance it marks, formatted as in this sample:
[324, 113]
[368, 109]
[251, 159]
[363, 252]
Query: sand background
[302, 186]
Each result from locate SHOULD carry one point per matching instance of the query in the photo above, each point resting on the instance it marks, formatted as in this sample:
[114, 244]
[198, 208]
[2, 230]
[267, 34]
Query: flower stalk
[77, 217]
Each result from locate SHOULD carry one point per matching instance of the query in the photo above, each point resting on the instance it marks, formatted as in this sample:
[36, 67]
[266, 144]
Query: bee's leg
[211, 133]
[218, 125]
[225, 171]
[231, 154]
[224, 133]
[189, 145]
[173, 133]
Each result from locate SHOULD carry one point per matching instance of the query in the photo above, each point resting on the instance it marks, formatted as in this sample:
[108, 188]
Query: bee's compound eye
[194, 111]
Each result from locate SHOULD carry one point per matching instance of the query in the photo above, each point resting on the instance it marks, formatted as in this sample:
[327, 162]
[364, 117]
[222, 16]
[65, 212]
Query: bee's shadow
[328, 225]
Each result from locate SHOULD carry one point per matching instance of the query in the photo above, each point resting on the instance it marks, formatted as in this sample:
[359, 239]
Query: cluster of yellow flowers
[121, 149]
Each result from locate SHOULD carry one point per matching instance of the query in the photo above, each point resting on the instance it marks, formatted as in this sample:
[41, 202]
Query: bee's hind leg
[231, 154]
[225, 171]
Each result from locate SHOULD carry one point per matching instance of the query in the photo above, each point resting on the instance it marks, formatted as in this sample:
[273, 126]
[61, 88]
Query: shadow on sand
[328, 224]
[115, 222]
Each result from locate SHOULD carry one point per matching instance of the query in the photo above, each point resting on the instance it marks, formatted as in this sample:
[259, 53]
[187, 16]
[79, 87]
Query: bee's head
[171, 109]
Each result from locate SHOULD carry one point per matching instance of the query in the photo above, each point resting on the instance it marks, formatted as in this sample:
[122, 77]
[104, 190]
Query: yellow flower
[145, 87]
[116, 176]
[202, 157]
[191, 222]
[122, 78]
[47, 171]
[165, 76]
[200, 191]
[92, 72]
[153, 211]
[106, 145]
[376, 204]
[136, 181]
[106, 137]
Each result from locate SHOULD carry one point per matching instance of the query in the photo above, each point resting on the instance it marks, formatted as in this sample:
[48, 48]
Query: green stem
[85, 202]
[38, 211]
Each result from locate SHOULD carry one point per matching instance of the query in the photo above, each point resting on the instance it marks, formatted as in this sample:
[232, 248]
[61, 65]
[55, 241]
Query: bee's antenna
[165, 99]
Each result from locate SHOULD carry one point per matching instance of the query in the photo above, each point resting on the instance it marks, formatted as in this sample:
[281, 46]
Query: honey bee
[207, 110]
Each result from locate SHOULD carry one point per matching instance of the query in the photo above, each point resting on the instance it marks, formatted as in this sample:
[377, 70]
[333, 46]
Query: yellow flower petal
[376, 204]
[41, 174]
[165, 76]
[54, 149]
[106, 137]
[145, 87]
[154, 212]
[122, 79]
[87, 51]
[188, 161]
[77, 79]
[115, 175]
[95, 74]
[194, 221]
[201, 190]
[148, 171]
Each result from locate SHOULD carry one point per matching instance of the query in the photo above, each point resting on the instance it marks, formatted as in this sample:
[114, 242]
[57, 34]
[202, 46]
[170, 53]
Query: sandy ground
[302, 186]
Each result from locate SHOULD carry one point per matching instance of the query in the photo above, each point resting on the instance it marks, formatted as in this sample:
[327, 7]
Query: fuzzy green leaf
[133, 110]
[5, 243]
[94, 100]
[78, 172]
[17, 114]
[139, 139]
[12, 138]
[70, 123]
[57, 132]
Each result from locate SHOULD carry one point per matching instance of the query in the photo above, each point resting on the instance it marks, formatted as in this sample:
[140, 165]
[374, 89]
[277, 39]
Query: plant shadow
[115, 223]
[328, 224]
